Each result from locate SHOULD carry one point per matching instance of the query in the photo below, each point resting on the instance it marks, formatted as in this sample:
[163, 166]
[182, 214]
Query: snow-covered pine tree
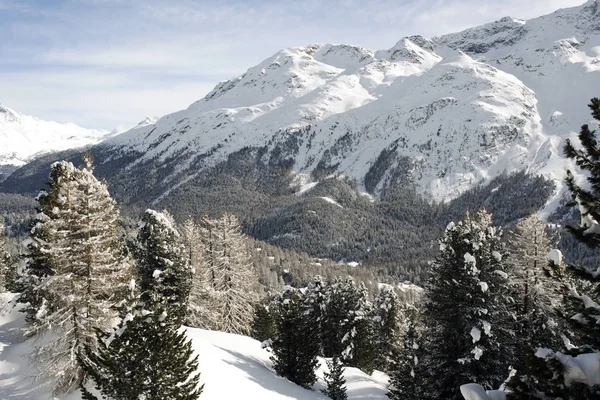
[334, 315]
[358, 340]
[405, 373]
[232, 274]
[315, 299]
[201, 305]
[145, 358]
[467, 311]
[385, 319]
[165, 274]
[336, 383]
[296, 346]
[76, 275]
[6, 272]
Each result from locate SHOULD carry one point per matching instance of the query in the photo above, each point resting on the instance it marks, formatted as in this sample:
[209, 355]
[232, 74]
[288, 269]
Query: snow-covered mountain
[445, 113]
[23, 137]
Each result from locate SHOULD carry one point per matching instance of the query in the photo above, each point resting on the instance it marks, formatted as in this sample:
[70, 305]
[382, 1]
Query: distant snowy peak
[444, 113]
[23, 137]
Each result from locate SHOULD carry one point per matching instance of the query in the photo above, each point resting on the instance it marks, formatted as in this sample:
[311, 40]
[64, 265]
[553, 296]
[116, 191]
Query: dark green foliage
[385, 326]
[587, 159]
[165, 275]
[296, 346]
[335, 380]
[333, 327]
[146, 358]
[263, 325]
[467, 314]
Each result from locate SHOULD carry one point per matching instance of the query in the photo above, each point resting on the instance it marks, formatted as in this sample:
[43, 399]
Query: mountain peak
[8, 114]
[23, 137]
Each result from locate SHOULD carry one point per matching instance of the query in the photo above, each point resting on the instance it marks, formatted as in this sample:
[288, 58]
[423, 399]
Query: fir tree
[335, 380]
[467, 312]
[76, 275]
[145, 358]
[165, 274]
[296, 346]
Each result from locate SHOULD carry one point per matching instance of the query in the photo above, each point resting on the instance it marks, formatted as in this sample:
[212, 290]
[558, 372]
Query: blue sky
[104, 63]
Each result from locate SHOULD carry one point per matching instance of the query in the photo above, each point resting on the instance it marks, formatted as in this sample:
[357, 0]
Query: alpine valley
[348, 153]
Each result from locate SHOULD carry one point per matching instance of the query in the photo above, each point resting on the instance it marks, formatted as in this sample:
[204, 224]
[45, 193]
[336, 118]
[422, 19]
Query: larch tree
[76, 276]
[538, 292]
[549, 367]
[406, 366]
[164, 270]
[231, 273]
[202, 300]
[467, 313]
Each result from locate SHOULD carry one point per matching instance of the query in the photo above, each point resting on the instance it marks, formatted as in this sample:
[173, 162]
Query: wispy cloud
[101, 63]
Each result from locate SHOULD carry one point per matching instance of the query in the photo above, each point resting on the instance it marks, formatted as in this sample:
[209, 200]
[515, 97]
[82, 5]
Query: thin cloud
[102, 63]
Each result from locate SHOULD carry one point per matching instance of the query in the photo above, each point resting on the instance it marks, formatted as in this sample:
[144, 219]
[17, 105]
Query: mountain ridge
[329, 108]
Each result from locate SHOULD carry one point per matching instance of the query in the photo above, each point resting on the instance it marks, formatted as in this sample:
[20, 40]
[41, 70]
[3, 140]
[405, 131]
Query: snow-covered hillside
[231, 366]
[445, 113]
[23, 137]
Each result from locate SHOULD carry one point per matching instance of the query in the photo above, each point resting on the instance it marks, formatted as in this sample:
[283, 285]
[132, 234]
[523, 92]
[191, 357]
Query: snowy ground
[231, 366]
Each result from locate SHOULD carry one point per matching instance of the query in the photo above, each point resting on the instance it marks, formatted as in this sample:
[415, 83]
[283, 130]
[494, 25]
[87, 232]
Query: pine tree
[77, 275]
[335, 380]
[385, 318]
[358, 339]
[165, 274]
[231, 273]
[405, 376]
[467, 312]
[263, 324]
[7, 275]
[145, 358]
[316, 300]
[335, 313]
[296, 346]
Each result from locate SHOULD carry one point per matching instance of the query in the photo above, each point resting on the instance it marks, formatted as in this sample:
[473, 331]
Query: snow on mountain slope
[444, 113]
[23, 137]
[231, 367]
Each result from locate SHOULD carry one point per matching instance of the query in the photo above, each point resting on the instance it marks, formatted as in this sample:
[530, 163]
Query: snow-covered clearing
[231, 366]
